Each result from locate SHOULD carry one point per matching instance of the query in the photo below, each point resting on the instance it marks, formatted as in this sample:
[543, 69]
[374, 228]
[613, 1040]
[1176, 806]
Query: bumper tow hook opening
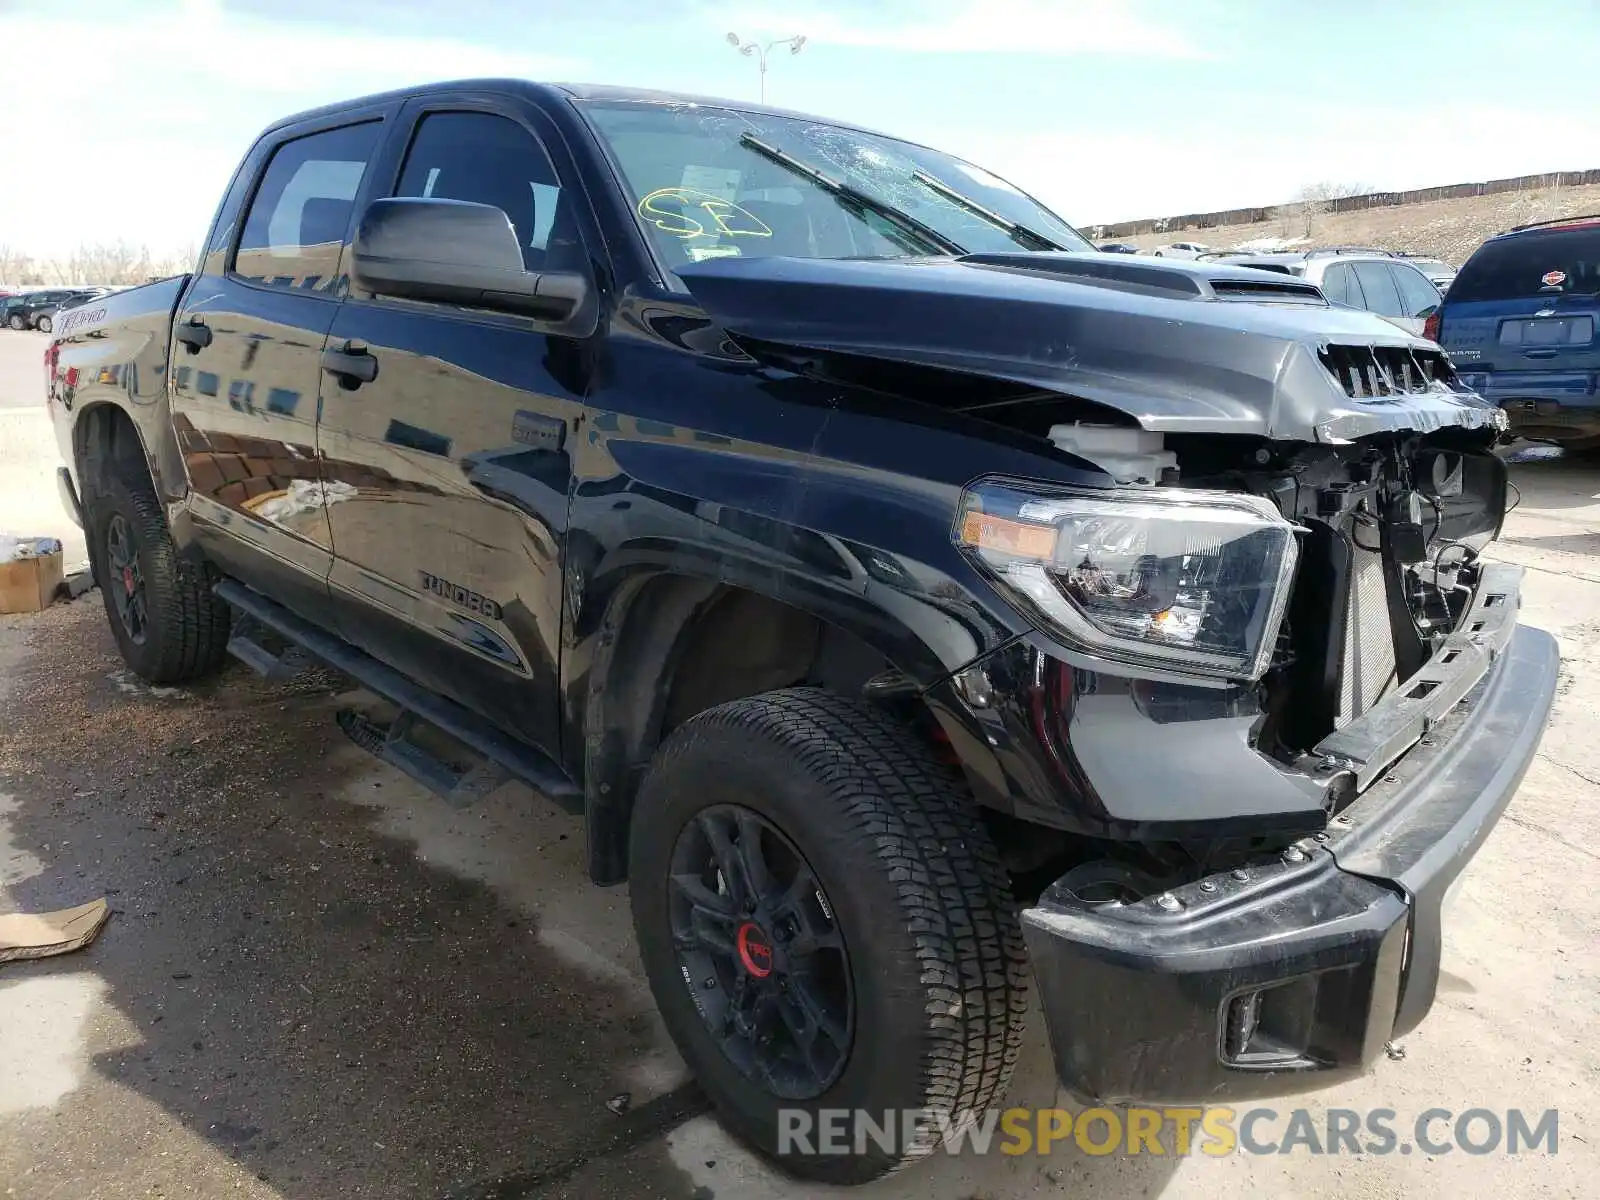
[1244, 1014]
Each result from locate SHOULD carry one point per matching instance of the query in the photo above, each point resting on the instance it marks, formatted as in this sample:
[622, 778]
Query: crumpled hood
[1180, 346]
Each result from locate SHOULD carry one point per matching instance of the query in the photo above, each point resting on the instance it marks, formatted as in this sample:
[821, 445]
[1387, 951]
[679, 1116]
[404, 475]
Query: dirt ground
[320, 981]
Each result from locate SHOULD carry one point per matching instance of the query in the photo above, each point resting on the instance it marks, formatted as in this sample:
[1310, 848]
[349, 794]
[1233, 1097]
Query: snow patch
[1269, 245]
[130, 684]
[42, 1056]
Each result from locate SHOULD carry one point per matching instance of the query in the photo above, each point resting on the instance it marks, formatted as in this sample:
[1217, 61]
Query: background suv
[1440, 273]
[1520, 327]
[1358, 277]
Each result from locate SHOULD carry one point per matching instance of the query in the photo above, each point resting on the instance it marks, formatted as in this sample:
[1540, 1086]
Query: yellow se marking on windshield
[725, 216]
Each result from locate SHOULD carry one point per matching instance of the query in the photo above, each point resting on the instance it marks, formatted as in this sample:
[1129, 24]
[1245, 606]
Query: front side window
[490, 159]
[296, 225]
[1417, 296]
[705, 184]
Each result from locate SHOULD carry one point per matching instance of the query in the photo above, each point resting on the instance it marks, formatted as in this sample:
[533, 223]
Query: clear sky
[125, 117]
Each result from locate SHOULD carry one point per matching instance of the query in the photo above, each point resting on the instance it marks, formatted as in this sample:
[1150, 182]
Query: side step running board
[393, 743]
[244, 643]
[456, 786]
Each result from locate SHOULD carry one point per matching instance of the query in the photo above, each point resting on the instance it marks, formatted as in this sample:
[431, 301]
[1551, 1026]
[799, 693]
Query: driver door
[448, 469]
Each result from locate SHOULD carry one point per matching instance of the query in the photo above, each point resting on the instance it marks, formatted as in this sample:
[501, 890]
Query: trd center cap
[755, 950]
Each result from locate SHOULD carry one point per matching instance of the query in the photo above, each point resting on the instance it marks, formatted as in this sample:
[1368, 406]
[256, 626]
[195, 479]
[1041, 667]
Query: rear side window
[1336, 286]
[492, 160]
[296, 224]
[1555, 262]
[1417, 295]
[1377, 285]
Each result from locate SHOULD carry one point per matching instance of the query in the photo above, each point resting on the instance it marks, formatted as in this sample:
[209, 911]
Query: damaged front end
[1275, 696]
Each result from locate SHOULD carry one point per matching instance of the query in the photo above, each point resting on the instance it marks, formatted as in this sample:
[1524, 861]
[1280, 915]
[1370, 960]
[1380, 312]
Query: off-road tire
[186, 633]
[917, 889]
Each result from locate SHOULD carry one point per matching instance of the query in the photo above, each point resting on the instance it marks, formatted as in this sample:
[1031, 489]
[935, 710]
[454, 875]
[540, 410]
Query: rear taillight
[1430, 327]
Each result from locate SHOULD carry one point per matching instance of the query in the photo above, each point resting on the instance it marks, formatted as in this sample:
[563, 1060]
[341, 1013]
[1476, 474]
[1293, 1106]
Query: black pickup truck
[910, 599]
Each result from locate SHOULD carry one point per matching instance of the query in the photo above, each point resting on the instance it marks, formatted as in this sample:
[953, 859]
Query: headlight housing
[1184, 580]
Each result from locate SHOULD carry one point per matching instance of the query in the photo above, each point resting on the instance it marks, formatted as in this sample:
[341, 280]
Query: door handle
[352, 365]
[194, 333]
[1538, 354]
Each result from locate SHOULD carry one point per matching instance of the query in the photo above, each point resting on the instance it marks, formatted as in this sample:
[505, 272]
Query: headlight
[1185, 580]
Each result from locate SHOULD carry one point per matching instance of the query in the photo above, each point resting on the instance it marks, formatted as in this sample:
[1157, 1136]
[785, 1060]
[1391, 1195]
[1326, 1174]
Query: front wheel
[169, 625]
[16, 321]
[826, 925]
[45, 325]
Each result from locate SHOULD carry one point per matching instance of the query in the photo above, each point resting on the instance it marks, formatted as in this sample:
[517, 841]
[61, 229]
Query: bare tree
[1315, 199]
[118, 262]
[15, 266]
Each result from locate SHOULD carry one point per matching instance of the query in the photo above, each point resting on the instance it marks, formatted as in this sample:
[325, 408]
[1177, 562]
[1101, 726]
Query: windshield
[1561, 262]
[706, 184]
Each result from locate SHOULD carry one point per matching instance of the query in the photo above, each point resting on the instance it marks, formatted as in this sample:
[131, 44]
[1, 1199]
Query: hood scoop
[1177, 279]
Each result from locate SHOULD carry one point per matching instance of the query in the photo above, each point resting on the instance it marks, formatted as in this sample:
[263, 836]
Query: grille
[1369, 371]
[1369, 663]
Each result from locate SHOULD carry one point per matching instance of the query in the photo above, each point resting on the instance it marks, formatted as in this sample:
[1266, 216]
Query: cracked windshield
[713, 182]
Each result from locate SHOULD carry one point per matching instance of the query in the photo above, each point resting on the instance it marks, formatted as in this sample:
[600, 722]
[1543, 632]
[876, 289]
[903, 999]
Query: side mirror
[456, 252]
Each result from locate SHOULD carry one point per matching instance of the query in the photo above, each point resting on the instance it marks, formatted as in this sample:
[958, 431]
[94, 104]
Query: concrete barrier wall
[29, 500]
[27, 438]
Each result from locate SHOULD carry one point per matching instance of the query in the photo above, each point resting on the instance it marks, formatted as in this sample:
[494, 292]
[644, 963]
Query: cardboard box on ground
[31, 569]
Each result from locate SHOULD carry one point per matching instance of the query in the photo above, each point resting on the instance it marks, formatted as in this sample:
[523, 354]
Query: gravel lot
[320, 981]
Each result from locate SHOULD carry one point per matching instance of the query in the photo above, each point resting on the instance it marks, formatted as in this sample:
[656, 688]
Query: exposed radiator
[1369, 662]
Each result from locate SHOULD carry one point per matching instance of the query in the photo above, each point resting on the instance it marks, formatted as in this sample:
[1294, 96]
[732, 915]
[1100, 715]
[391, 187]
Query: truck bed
[115, 348]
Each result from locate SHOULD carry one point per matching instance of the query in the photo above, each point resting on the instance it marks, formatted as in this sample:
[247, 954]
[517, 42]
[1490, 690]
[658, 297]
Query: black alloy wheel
[757, 936]
[826, 926]
[126, 583]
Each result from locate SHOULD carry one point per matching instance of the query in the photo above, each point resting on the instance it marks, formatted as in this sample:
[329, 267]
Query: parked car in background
[1520, 326]
[1119, 248]
[1359, 277]
[1440, 273]
[1182, 250]
[38, 309]
[12, 305]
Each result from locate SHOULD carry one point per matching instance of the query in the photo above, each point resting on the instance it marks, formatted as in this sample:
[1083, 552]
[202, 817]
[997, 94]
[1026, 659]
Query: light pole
[761, 51]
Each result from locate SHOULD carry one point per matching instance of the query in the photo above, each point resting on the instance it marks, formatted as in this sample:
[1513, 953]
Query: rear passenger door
[451, 465]
[246, 369]
[1382, 294]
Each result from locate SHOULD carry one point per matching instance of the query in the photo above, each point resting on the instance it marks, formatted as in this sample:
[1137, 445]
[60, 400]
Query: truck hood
[1179, 346]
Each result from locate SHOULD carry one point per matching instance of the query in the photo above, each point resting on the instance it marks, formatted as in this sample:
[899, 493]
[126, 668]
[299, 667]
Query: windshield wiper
[1019, 232]
[853, 198]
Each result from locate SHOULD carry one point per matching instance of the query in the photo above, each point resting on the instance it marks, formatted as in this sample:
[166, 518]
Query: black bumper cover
[1291, 974]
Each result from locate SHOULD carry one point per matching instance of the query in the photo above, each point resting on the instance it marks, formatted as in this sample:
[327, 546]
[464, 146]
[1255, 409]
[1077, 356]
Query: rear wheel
[16, 321]
[45, 325]
[825, 924]
[168, 624]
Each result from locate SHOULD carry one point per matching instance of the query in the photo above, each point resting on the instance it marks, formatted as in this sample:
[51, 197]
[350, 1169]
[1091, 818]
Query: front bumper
[1293, 972]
